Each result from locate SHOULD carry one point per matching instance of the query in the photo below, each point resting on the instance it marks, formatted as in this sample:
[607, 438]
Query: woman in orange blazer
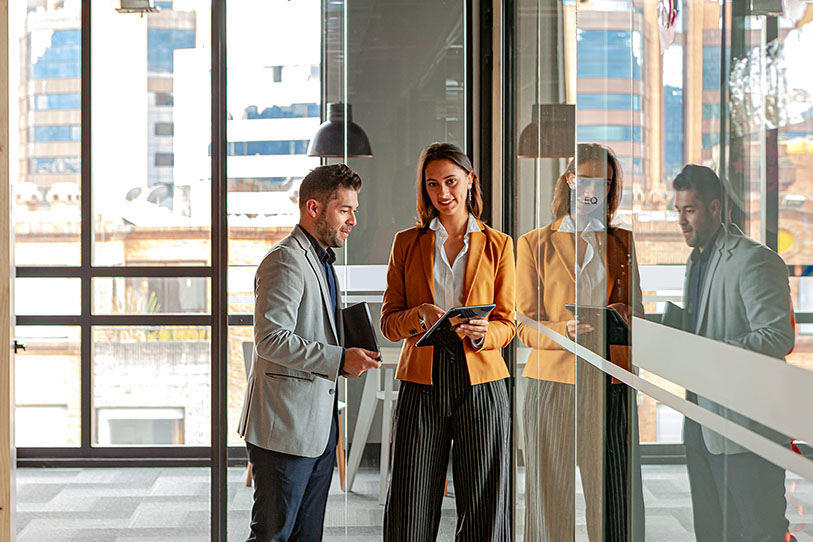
[456, 392]
[579, 258]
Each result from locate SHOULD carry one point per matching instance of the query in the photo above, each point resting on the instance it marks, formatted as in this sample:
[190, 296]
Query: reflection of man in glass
[736, 291]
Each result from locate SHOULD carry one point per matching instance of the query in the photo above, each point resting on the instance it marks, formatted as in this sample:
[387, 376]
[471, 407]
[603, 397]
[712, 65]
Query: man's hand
[430, 314]
[358, 360]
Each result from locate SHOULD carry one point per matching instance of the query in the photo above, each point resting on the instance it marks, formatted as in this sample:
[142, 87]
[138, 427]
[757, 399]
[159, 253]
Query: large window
[284, 111]
[593, 100]
[43, 102]
[119, 361]
[609, 53]
[46, 69]
[161, 46]
[251, 148]
[114, 375]
[609, 133]
[45, 133]
[52, 164]
[55, 53]
[144, 197]
[711, 67]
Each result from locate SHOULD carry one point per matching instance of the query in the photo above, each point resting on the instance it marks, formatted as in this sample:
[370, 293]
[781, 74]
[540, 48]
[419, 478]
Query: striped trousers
[428, 420]
[588, 427]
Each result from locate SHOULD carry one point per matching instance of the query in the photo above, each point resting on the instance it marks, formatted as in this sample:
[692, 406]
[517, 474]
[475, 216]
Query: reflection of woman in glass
[456, 392]
[579, 258]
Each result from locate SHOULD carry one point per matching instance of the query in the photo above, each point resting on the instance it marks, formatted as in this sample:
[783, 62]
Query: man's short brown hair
[323, 183]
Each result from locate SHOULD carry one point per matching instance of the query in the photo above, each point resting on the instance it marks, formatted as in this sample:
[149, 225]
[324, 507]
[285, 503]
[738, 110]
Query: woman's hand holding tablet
[445, 330]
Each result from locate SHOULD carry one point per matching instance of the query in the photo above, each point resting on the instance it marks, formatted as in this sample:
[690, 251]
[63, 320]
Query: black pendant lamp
[551, 133]
[137, 6]
[328, 142]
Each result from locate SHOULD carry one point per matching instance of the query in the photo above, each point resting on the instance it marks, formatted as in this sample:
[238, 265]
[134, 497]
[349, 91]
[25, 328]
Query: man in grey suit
[736, 291]
[289, 417]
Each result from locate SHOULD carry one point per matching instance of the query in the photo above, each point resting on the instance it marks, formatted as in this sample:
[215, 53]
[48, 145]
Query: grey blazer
[745, 302]
[290, 394]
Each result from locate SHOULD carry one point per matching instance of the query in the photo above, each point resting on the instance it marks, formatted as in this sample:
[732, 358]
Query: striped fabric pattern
[471, 422]
[595, 439]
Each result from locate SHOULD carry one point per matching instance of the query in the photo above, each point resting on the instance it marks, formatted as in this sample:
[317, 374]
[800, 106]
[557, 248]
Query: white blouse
[591, 287]
[448, 278]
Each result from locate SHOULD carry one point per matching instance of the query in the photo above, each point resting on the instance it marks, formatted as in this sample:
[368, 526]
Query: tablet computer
[442, 333]
[616, 328]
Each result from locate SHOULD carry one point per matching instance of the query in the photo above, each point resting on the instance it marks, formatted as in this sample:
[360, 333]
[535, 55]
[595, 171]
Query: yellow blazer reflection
[546, 282]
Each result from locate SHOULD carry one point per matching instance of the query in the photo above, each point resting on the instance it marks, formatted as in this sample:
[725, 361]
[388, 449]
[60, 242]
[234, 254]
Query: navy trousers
[735, 498]
[290, 493]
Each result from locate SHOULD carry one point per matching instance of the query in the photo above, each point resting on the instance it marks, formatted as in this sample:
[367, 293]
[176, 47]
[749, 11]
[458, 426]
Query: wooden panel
[7, 452]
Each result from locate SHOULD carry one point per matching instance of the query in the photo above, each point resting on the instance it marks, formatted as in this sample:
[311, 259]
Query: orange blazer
[546, 266]
[489, 278]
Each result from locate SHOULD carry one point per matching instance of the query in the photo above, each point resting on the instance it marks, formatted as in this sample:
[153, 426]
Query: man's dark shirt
[327, 258]
[697, 277]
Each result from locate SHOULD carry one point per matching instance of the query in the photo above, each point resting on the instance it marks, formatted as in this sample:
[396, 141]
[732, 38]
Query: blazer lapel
[716, 256]
[316, 266]
[477, 243]
[427, 243]
[565, 249]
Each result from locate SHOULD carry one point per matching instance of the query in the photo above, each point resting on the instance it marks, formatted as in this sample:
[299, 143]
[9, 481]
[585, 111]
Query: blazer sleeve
[501, 326]
[279, 287]
[531, 299]
[763, 285]
[397, 320]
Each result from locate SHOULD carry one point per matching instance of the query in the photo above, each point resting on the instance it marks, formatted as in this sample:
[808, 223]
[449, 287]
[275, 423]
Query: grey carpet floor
[151, 504]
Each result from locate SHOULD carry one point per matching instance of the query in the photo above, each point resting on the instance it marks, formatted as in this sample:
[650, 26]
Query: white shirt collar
[569, 226]
[436, 226]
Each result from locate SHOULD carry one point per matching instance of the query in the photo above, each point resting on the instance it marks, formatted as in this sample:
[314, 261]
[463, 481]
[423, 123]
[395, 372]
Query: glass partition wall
[146, 253]
[399, 74]
[151, 181]
[676, 414]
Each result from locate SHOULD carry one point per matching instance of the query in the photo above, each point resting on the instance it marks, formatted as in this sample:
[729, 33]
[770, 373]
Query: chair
[248, 358]
[370, 395]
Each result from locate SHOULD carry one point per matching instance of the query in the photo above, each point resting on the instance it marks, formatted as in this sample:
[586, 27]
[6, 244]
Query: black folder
[672, 316]
[358, 327]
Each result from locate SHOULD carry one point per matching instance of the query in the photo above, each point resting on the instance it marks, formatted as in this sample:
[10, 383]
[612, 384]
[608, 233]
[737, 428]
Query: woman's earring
[469, 195]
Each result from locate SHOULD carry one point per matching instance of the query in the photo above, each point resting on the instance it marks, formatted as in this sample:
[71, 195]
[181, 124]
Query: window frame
[217, 455]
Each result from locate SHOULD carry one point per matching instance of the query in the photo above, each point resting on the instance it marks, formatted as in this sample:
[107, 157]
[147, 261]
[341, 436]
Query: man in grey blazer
[736, 291]
[289, 417]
